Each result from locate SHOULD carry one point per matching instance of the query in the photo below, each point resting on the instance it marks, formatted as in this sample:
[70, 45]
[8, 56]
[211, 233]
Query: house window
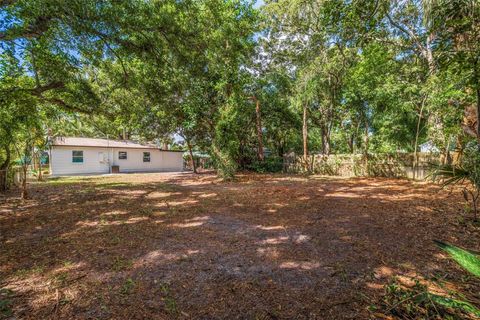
[77, 156]
[146, 157]
[122, 155]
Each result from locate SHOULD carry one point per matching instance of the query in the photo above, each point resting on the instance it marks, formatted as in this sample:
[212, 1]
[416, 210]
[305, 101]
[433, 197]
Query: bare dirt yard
[179, 246]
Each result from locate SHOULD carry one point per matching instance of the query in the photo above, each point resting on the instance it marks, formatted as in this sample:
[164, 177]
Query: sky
[258, 3]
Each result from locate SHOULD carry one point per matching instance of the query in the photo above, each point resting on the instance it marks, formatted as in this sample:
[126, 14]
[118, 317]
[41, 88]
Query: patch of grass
[67, 180]
[127, 286]
[170, 302]
[145, 211]
[340, 270]
[121, 264]
[5, 303]
[60, 278]
[170, 305]
[86, 189]
[106, 185]
[24, 273]
[114, 240]
[64, 301]
[415, 303]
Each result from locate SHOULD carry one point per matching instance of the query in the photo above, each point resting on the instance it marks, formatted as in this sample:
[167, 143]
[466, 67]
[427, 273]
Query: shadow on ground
[163, 246]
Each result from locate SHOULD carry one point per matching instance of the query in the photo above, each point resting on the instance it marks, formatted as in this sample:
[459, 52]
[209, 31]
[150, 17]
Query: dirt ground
[179, 246]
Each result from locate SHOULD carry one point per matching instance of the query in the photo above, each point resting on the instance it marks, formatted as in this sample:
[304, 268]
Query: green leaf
[448, 173]
[454, 304]
[467, 259]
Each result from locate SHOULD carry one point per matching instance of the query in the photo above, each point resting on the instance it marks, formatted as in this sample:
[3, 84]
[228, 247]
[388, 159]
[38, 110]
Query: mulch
[183, 246]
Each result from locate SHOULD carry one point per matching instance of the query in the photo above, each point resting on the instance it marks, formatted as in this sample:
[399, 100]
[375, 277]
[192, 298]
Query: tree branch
[41, 89]
[64, 105]
[411, 34]
[4, 3]
[35, 30]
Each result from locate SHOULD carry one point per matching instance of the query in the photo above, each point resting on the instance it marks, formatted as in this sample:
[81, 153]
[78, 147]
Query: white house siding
[159, 160]
[173, 161]
[61, 161]
[62, 164]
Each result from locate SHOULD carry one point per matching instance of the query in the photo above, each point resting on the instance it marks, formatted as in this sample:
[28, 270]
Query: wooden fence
[378, 165]
[13, 177]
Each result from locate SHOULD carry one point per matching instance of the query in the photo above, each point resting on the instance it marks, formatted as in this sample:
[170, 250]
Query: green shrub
[418, 302]
[467, 171]
[269, 164]
[225, 165]
[329, 165]
[127, 286]
[6, 303]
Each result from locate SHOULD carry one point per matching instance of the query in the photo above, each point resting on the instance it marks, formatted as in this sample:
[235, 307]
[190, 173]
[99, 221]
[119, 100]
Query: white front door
[103, 160]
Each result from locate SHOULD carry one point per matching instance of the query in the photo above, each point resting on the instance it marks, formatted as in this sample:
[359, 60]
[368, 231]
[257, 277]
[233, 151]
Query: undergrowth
[417, 302]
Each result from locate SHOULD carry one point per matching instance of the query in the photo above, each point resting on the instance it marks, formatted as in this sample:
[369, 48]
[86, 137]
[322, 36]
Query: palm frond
[467, 259]
[448, 174]
[454, 304]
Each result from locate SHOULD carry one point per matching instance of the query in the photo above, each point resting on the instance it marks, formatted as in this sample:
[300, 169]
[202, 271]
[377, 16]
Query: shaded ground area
[163, 246]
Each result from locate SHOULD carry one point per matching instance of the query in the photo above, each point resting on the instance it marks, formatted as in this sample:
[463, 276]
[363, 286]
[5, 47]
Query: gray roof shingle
[104, 143]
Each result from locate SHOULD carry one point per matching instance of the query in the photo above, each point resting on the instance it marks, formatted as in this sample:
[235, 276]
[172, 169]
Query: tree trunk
[415, 147]
[474, 203]
[259, 130]
[365, 139]
[365, 147]
[350, 142]
[305, 136]
[429, 54]
[446, 158]
[24, 182]
[329, 132]
[305, 132]
[356, 138]
[459, 147]
[325, 141]
[190, 150]
[477, 91]
[40, 173]
[4, 169]
[478, 114]
[281, 147]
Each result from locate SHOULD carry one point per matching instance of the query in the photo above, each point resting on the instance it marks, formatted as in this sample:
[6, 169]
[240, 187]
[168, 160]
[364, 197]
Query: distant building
[73, 155]
[428, 147]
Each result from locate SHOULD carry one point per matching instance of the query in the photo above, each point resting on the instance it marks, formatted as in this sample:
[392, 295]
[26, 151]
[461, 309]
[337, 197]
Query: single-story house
[73, 155]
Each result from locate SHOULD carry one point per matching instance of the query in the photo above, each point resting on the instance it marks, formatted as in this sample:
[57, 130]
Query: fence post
[18, 177]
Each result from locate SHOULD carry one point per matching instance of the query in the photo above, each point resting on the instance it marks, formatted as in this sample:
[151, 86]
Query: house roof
[103, 143]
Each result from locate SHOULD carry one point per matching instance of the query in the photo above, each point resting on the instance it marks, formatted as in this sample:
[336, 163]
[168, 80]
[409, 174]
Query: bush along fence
[9, 177]
[13, 176]
[377, 165]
